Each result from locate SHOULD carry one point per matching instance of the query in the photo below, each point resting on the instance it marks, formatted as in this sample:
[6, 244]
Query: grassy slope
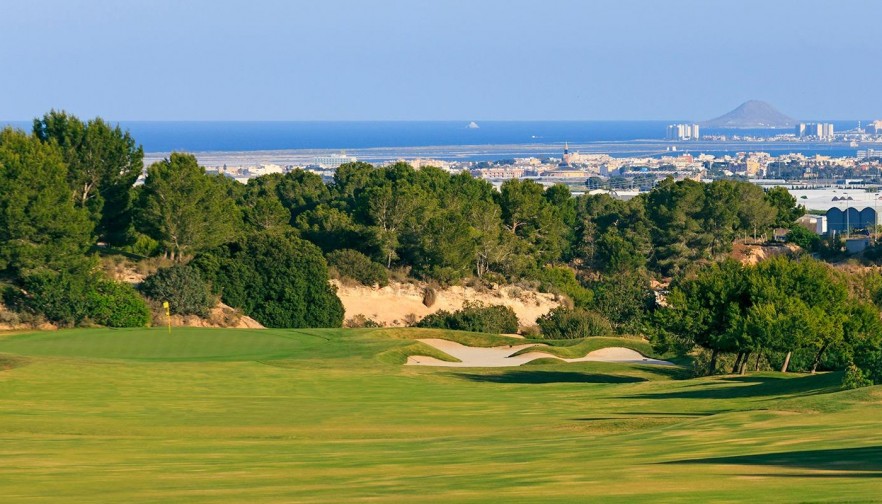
[576, 349]
[314, 416]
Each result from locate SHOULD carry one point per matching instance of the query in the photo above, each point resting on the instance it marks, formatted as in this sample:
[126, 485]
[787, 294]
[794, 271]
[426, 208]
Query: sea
[451, 140]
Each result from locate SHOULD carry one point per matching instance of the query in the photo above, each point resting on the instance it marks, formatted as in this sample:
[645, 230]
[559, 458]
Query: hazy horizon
[391, 60]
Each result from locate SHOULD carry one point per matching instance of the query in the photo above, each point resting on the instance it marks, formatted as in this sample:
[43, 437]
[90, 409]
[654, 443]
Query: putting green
[98, 415]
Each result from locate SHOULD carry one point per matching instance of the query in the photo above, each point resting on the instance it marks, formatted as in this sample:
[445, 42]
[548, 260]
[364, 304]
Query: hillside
[751, 114]
[394, 304]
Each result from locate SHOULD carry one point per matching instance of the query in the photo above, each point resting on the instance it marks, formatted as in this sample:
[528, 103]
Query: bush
[359, 267]
[624, 299]
[474, 317]
[804, 238]
[562, 323]
[361, 321]
[563, 280]
[183, 287]
[71, 298]
[854, 378]
[278, 279]
[119, 305]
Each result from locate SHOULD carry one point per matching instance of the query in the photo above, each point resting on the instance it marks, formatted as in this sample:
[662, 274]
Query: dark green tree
[183, 287]
[785, 204]
[103, 163]
[185, 209]
[40, 227]
[277, 278]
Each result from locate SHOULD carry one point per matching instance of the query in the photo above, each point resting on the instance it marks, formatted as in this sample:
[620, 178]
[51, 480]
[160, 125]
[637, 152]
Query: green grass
[208, 416]
[574, 349]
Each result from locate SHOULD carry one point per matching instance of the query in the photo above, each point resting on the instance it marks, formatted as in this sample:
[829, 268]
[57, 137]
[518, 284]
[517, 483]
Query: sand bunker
[503, 356]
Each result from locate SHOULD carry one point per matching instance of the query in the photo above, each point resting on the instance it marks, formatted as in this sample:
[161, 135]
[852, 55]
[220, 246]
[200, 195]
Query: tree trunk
[743, 368]
[758, 356]
[713, 362]
[786, 362]
[818, 357]
[737, 364]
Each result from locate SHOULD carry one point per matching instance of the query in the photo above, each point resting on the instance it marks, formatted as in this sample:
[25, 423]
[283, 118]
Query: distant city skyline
[486, 60]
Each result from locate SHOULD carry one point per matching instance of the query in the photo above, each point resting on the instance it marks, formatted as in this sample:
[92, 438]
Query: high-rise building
[682, 132]
[821, 131]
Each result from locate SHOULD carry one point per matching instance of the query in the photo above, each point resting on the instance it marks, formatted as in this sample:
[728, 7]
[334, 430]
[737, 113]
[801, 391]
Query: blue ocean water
[196, 136]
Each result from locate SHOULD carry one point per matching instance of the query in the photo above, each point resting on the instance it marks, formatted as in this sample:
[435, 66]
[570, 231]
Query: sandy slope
[503, 356]
[392, 304]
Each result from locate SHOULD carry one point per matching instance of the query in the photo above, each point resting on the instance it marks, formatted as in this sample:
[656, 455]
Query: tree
[527, 214]
[624, 298]
[39, 225]
[185, 209]
[755, 213]
[103, 163]
[785, 204]
[612, 235]
[522, 204]
[261, 207]
[678, 237]
[183, 287]
[708, 310]
[299, 191]
[277, 278]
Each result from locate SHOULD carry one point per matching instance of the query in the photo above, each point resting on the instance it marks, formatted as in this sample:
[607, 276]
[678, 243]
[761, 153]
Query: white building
[683, 132]
[821, 131]
[333, 160]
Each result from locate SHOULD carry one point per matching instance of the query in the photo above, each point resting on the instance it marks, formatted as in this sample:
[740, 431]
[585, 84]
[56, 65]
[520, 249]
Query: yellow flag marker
[167, 314]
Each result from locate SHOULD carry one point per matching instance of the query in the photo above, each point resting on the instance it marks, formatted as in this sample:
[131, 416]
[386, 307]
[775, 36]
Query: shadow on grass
[538, 377]
[865, 462]
[753, 386]
[647, 414]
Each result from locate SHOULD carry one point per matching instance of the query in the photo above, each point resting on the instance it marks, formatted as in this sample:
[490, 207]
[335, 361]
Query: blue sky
[440, 60]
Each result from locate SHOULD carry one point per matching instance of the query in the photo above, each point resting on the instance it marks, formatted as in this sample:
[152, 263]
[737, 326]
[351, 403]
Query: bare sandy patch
[503, 356]
[392, 305]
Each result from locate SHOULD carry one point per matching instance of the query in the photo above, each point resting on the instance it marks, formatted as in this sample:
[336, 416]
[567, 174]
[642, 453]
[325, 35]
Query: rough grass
[570, 349]
[399, 355]
[467, 338]
[208, 416]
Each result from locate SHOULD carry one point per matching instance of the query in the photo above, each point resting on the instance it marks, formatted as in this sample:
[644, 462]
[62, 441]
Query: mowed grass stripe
[331, 422]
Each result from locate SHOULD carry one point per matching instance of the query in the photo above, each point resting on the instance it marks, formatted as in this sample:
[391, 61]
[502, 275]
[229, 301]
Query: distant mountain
[752, 114]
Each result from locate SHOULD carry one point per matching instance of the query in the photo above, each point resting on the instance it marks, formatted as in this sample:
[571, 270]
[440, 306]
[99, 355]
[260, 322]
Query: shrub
[278, 279]
[361, 321]
[70, 298]
[563, 280]
[359, 267]
[562, 323]
[530, 331]
[118, 305]
[143, 245]
[183, 287]
[854, 378]
[804, 238]
[474, 317]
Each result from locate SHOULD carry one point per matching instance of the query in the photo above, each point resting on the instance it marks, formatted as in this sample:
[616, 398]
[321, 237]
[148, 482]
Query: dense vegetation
[475, 318]
[774, 309]
[264, 247]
